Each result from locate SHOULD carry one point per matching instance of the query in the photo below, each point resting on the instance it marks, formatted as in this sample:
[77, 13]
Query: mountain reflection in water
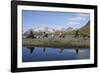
[33, 54]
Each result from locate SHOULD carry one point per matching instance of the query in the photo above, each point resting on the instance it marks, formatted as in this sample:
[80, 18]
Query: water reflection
[77, 50]
[31, 49]
[44, 49]
[61, 50]
[30, 54]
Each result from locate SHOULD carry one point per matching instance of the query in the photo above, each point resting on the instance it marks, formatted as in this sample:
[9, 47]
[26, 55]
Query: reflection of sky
[40, 19]
[49, 54]
[84, 53]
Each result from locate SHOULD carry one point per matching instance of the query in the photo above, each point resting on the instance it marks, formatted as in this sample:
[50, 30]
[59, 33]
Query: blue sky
[41, 19]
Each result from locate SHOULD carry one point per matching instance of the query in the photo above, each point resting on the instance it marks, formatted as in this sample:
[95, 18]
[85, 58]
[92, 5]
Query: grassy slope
[85, 29]
[70, 42]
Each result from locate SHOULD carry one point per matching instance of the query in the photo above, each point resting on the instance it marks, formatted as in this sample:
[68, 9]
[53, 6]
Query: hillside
[85, 29]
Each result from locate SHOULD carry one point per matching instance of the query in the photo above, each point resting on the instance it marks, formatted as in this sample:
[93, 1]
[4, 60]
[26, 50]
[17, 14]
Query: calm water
[31, 54]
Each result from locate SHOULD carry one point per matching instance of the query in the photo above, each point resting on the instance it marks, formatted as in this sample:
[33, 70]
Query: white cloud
[83, 15]
[73, 23]
[76, 19]
[79, 17]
